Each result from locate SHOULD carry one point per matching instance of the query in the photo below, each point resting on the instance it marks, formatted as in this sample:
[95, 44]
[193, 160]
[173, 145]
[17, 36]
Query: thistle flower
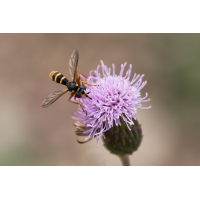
[115, 100]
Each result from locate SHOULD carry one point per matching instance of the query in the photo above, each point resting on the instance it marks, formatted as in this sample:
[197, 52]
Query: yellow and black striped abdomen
[58, 78]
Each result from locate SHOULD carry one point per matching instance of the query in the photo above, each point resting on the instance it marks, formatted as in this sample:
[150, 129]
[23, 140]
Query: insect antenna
[88, 97]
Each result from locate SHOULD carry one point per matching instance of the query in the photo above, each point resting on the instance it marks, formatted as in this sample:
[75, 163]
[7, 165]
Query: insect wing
[52, 98]
[73, 62]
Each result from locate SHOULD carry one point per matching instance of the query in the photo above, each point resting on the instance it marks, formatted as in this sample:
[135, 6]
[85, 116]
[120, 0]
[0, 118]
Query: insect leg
[78, 81]
[73, 94]
[78, 102]
[71, 97]
[80, 105]
[81, 74]
[87, 83]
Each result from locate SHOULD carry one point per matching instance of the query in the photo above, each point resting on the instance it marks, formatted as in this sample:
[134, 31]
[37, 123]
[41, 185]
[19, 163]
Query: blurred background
[31, 135]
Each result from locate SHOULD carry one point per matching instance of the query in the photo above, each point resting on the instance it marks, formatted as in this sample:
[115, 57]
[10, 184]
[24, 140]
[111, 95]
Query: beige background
[30, 135]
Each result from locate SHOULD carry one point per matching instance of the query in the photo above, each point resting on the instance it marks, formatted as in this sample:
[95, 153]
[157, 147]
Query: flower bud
[121, 140]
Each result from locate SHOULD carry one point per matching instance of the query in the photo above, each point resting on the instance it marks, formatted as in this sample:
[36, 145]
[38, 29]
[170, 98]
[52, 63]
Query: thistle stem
[125, 160]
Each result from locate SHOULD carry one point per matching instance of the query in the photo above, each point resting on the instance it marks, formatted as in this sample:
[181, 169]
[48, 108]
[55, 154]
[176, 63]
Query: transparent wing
[73, 62]
[53, 97]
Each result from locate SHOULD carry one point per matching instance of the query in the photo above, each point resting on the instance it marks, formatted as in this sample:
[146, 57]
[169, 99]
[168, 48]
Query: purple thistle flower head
[113, 97]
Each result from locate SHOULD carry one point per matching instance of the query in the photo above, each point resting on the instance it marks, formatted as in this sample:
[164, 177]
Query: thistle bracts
[120, 140]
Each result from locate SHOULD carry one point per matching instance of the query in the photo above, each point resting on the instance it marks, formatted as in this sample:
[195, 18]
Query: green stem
[125, 160]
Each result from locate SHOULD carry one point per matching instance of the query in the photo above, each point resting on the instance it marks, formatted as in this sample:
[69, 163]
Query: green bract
[120, 140]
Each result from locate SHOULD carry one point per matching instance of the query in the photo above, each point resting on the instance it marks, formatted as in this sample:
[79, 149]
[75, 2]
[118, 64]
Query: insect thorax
[72, 86]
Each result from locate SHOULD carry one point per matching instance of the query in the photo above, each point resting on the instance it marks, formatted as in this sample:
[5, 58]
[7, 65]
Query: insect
[77, 90]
